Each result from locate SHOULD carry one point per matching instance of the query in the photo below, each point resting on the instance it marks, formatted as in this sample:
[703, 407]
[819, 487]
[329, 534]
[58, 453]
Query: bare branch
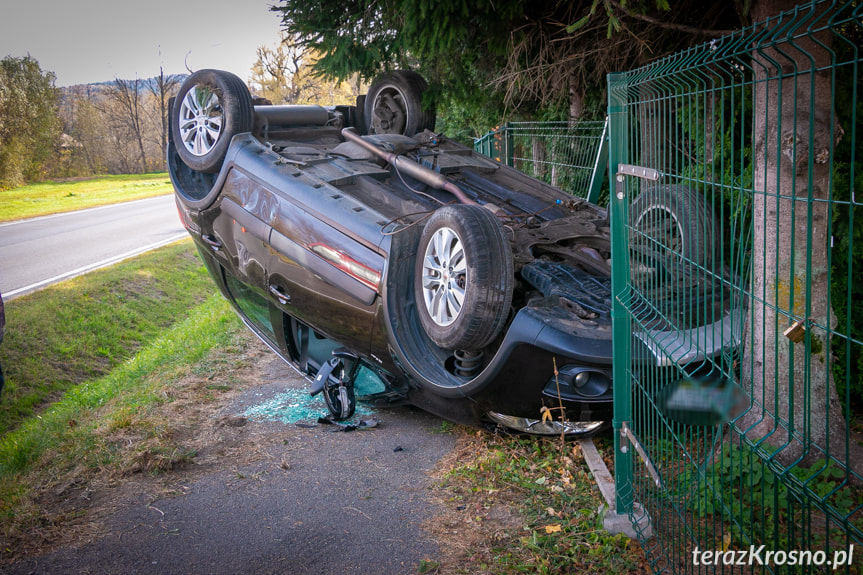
[669, 25]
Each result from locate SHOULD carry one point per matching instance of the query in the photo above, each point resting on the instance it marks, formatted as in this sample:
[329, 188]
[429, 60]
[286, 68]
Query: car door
[241, 240]
[281, 251]
[323, 277]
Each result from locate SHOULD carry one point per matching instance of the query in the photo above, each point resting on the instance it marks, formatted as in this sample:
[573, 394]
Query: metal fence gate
[737, 283]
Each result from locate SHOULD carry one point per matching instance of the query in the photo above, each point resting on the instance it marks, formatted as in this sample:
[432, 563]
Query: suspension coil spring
[467, 363]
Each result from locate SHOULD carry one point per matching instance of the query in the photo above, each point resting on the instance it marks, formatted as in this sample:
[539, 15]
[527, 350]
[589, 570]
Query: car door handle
[283, 298]
[212, 242]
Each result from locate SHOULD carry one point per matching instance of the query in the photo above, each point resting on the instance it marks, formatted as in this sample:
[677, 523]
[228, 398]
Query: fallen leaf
[552, 529]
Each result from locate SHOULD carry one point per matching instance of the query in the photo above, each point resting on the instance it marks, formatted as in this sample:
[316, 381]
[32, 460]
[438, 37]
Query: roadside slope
[258, 496]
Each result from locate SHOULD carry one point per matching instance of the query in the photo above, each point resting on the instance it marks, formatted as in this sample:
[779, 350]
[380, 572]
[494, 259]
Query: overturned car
[391, 264]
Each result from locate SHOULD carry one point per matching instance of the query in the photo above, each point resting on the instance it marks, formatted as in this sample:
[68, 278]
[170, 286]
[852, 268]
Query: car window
[367, 383]
[252, 305]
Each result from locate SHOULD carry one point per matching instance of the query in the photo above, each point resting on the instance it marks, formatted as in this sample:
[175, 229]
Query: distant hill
[144, 85]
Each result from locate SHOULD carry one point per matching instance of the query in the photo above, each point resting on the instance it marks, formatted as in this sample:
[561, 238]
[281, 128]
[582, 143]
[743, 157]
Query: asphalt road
[38, 252]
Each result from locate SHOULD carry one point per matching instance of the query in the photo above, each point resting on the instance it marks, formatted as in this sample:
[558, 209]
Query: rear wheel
[463, 279]
[211, 107]
[393, 104]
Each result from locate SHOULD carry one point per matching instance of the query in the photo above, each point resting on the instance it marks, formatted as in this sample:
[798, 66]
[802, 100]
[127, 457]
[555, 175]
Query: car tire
[463, 278]
[677, 218]
[340, 406]
[211, 107]
[393, 104]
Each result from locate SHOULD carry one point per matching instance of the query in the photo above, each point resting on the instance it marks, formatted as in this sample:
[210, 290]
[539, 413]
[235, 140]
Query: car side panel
[242, 238]
[314, 271]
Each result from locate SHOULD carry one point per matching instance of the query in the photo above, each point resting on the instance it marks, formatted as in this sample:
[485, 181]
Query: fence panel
[570, 155]
[737, 283]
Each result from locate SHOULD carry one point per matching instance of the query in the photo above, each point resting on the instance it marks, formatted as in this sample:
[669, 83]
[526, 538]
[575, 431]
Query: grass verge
[117, 424]
[82, 328]
[47, 198]
[524, 505]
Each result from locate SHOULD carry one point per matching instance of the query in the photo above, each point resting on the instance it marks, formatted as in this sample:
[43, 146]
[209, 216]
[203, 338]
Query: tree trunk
[795, 405]
[576, 97]
[127, 95]
[538, 155]
[162, 90]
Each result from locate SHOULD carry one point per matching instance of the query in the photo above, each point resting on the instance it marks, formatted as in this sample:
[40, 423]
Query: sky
[89, 41]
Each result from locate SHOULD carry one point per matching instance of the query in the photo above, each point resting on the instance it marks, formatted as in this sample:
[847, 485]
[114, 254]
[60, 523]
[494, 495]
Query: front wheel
[463, 280]
[341, 400]
[677, 220]
[211, 107]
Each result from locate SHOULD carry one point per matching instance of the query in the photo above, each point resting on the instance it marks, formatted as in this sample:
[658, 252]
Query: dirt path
[265, 496]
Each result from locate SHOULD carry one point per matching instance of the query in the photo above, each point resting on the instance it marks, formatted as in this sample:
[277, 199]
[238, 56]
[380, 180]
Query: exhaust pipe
[411, 168]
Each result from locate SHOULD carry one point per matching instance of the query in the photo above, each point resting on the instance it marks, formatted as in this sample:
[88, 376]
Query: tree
[285, 75]
[275, 72]
[127, 115]
[29, 121]
[161, 89]
[118, 128]
[565, 51]
[794, 139]
[83, 123]
[88, 131]
[528, 53]
[796, 409]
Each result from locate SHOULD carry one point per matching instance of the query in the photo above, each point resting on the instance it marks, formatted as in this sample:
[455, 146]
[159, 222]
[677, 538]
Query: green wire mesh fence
[570, 155]
[737, 259]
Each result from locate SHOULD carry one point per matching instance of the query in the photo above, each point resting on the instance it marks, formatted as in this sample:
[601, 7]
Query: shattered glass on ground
[296, 406]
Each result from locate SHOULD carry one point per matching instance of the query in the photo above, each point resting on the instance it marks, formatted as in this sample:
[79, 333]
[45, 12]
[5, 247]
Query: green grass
[107, 374]
[83, 328]
[112, 425]
[47, 198]
[557, 529]
[130, 388]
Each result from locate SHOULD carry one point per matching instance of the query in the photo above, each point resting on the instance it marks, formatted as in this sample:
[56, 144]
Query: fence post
[598, 175]
[621, 323]
[508, 145]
